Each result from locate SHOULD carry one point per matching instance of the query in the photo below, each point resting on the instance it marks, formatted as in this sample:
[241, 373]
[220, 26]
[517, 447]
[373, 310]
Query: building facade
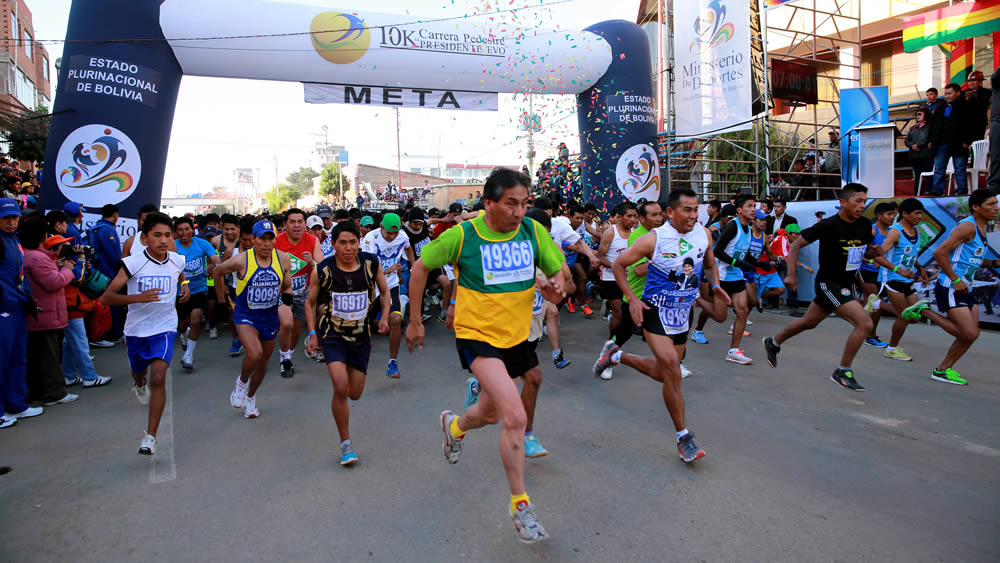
[24, 63]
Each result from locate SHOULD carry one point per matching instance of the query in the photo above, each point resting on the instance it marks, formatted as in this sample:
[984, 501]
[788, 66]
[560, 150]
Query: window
[15, 32]
[29, 45]
[45, 68]
[24, 90]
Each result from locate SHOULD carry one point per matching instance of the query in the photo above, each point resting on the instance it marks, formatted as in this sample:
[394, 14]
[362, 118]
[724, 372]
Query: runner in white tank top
[614, 241]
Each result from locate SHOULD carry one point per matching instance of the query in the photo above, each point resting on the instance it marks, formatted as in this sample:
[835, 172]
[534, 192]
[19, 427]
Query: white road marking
[161, 466]
[890, 422]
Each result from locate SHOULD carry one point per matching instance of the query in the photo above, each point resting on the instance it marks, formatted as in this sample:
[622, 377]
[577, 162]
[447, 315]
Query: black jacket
[961, 127]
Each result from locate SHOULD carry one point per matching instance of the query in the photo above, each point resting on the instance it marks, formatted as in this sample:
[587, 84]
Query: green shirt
[637, 282]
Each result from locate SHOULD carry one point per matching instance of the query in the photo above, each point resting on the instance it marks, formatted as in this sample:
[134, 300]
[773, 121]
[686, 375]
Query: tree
[281, 197]
[333, 182]
[27, 133]
[302, 180]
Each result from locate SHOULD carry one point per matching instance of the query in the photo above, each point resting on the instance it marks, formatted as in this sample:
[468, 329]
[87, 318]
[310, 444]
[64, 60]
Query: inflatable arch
[123, 62]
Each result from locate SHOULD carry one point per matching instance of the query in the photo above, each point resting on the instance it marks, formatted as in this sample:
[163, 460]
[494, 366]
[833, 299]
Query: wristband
[956, 280]
[734, 261]
[716, 286]
[311, 332]
[452, 301]
[287, 299]
[895, 269]
[185, 282]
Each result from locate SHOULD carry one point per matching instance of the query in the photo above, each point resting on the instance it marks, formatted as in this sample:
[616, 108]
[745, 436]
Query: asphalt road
[798, 469]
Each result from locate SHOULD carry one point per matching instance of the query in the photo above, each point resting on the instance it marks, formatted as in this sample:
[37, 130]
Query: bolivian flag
[953, 23]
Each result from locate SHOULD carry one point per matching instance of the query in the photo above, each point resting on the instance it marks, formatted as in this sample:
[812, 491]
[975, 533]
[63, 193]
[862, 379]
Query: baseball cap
[455, 208]
[793, 228]
[324, 211]
[26, 184]
[976, 75]
[32, 200]
[760, 215]
[73, 209]
[390, 222]
[367, 221]
[9, 207]
[728, 210]
[54, 240]
[416, 214]
[313, 221]
[261, 228]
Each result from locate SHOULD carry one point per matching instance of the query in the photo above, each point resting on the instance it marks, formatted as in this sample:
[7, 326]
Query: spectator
[74, 211]
[48, 275]
[831, 161]
[15, 300]
[107, 247]
[953, 129]
[781, 218]
[77, 365]
[979, 101]
[918, 140]
[933, 102]
[714, 209]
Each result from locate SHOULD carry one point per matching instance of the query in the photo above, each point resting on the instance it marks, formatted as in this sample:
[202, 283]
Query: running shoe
[760, 307]
[30, 412]
[106, 344]
[426, 316]
[745, 332]
[688, 450]
[771, 349]
[250, 407]
[533, 448]
[67, 398]
[75, 381]
[738, 356]
[347, 455]
[685, 372]
[6, 420]
[604, 361]
[527, 526]
[749, 322]
[98, 381]
[845, 378]
[571, 307]
[699, 336]
[184, 341]
[239, 394]
[605, 310]
[587, 311]
[870, 303]
[187, 363]
[213, 333]
[912, 313]
[148, 444]
[287, 369]
[897, 354]
[607, 374]
[560, 361]
[443, 317]
[452, 446]
[141, 394]
[235, 348]
[471, 392]
[392, 369]
[948, 376]
[875, 341]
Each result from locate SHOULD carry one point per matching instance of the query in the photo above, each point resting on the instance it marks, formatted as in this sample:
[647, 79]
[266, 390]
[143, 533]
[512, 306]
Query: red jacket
[47, 285]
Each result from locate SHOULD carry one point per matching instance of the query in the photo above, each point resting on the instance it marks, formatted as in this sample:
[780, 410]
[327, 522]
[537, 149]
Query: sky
[221, 124]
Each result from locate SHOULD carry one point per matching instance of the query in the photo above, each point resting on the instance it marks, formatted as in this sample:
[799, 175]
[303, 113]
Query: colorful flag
[961, 57]
[953, 23]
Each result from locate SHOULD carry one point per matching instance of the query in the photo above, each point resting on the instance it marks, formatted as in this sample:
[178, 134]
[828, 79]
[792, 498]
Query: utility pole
[399, 156]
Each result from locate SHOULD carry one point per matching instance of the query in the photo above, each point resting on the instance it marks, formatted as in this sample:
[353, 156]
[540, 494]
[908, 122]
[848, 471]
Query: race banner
[712, 75]
[399, 97]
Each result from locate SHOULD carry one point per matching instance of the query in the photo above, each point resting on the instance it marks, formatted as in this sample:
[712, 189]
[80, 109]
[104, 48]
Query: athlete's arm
[286, 269]
[316, 256]
[891, 240]
[235, 263]
[710, 270]
[582, 248]
[418, 281]
[728, 233]
[595, 232]
[791, 280]
[962, 233]
[313, 341]
[602, 250]
[409, 255]
[185, 292]
[213, 261]
[383, 288]
[642, 248]
[112, 298]
[127, 247]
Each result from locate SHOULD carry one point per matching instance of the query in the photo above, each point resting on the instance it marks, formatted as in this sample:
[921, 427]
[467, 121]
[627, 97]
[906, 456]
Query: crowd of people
[499, 275]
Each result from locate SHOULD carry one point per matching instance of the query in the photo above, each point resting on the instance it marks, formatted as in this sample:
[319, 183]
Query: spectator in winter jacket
[15, 299]
[953, 130]
[918, 140]
[74, 228]
[48, 275]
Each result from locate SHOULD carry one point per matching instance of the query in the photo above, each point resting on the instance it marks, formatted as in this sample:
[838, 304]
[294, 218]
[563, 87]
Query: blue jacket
[107, 247]
[14, 288]
[73, 232]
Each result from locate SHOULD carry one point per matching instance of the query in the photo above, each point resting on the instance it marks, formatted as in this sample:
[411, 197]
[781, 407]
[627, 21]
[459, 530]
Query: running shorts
[142, 350]
[906, 288]
[830, 296]
[948, 298]
[266, 322]
[517, 359]
[610, 290]
[733, 287]
[768, 281]
[299, 306]
[353, 354]
[869, 276]
[397, 304]
[653, 324]
[196, 301]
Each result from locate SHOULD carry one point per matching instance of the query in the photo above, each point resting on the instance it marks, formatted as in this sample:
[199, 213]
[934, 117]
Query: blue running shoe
[560, 361]
[471, 392]
[236, 347]
[688, 450]
[699, 336]
[347, 455]
[533, 448]
[392, 370]
[876, 342]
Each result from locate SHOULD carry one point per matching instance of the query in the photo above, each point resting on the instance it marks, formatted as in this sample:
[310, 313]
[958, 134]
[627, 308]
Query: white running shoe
[184, 340]
[148, 444]
[452, 446]
[68, 398]
[213, 333]
[606, 375]
[97, 382]
[250, 407]
[738, 356]
[141, 394]
[239, 394]
[685, 372]
[7, 420]
[28, 412]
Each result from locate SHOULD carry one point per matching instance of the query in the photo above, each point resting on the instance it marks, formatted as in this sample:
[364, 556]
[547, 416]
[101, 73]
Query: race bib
[262, 297]
[908, 262]
[194, 267]
[299, 284]
[855, 255]
[675, 316]
[539, 304]
[507, 262]
[349, 306]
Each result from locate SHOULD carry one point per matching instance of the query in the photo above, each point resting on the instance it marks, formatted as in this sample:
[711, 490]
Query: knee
[866, 324]
[340, 391]
[533, 378]
[157, 382]
[286, 323]
[395, 321]
[969, 335]
[517, 419]
[255, 355]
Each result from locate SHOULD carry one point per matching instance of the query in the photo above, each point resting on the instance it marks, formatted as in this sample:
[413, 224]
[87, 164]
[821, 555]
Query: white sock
[345, 443]
[681, 434]
[555, 353]
[286, 354]
[733, 350]
[890, 348]
[616, 357]
[190, 349]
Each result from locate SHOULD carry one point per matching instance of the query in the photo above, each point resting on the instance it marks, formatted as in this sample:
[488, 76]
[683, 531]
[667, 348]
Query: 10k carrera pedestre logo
[711, 28]
[98, 165]
[638, 173]
[340, 38]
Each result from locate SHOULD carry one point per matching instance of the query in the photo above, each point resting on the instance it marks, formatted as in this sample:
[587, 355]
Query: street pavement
[798, 469]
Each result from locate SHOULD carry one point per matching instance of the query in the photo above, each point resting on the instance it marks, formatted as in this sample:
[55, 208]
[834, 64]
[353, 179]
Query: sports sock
[285, 354]
[456, 432]
[843, 368]
[617, 356]
[556, 353]
[529, 434]
[518, 499]
[890, 348]
[681, 434]
[345, 442]
[733, 350]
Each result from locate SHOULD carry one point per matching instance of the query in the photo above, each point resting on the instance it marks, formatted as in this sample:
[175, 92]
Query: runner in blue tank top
[960, 256]
[885, 216]
[732, 251]
[263, 280]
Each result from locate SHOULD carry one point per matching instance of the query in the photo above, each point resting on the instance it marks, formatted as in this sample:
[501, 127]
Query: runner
[391, 250]
[678, 253]
[303, 251]
[345, 285]
[315, 226]
[900, 249]
[263, 279]
[245, 244]
[732, 249]
[200, 259]
[367, 225]
[134, 240]
[495, 256]
[614, 241]
[960, 256]
[885, 216]
[420, 235]
[715, 226]
[229, 238]
[760, 250]
[153, 278]
[568, 239]
[580, 257]
[845, 241]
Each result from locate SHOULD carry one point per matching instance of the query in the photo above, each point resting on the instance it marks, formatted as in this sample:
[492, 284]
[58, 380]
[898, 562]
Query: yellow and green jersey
[495, 275]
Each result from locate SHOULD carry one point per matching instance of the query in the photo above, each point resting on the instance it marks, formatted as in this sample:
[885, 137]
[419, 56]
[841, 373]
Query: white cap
[313, 221]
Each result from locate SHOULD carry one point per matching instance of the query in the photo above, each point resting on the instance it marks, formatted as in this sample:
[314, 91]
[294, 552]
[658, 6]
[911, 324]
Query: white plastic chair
[980, 162]
[949, 172]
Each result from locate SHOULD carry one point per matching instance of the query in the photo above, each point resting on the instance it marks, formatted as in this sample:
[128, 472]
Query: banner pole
[399, 155]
